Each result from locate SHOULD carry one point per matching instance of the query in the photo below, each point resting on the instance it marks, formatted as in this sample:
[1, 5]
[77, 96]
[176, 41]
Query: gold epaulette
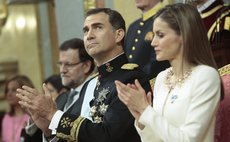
[129, 66]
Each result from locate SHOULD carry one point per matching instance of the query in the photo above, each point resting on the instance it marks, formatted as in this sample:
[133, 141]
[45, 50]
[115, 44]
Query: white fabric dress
[187, 113]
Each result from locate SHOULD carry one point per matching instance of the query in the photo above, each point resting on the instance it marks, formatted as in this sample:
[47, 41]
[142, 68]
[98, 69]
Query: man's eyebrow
[93, 25]
[96, 24]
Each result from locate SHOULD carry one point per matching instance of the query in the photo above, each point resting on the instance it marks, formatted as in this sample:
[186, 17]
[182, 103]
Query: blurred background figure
[55, 86]
[139, 36]
[14, 120]
[216, 17]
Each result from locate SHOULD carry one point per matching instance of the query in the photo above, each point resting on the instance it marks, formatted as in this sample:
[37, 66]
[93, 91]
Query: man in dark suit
[75, 67]
[104, 32]
[139, 36]
[216, 17]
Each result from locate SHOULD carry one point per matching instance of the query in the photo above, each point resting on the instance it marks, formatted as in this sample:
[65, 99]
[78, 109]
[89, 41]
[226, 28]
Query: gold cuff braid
[73, 132]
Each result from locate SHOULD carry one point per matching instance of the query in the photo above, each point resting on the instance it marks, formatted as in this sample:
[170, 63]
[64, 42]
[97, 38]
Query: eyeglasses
[67, 65]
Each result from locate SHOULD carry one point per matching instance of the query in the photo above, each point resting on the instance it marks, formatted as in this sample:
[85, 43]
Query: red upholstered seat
[222, 130]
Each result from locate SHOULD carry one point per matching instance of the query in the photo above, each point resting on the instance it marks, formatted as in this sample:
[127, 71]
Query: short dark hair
[115, 18]
[75, 44]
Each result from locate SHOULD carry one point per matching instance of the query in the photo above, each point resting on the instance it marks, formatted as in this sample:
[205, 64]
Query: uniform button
[138, 31]
[136, 40]
[141, 23]
[130, 56]
[133, 48]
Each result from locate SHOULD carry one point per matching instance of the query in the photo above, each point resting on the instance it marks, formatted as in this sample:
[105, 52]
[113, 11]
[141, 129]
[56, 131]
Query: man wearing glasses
[75, 68]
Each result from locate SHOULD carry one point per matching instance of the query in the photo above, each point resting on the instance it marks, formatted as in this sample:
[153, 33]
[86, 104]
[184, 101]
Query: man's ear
[120, 34]
[86, 66]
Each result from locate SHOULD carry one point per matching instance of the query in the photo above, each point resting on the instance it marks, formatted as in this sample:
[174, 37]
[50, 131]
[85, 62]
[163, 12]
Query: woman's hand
[134, 97]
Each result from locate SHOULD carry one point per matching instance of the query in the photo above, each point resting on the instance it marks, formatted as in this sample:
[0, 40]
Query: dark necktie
[70, 98]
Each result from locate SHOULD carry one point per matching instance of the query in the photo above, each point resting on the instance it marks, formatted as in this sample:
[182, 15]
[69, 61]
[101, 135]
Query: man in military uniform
[104, 32]
[139, 36]
[216, 17]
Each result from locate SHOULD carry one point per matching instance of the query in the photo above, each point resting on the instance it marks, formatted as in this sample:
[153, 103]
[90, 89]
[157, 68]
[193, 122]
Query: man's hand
[40, 122]
[39, 105]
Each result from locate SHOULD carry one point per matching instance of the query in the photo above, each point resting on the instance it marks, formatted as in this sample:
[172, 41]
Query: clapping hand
[134, 97]
[40, 106]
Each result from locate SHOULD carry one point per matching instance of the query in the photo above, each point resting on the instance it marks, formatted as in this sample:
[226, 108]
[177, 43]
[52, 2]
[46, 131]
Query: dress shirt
[85, 106]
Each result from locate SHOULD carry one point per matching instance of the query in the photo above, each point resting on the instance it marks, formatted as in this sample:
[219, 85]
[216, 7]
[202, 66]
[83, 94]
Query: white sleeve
[55, 121]
[200, 114]
[147, 134]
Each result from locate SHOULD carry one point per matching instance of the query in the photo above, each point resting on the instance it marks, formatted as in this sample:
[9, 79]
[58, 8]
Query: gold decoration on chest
[171, 83]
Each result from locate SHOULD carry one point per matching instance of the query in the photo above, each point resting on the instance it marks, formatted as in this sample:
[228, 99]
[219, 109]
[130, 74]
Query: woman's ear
[120, 34]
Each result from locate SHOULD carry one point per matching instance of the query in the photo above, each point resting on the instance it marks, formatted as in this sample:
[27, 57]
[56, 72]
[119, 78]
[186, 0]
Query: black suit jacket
[75, 109]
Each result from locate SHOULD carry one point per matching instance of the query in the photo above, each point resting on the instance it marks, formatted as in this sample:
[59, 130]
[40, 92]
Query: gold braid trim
[216, 24]
[65, 137]
[76, 127]
[224, 70]
[227, 23]
[74, 130]
[152, 11]
[206, 14]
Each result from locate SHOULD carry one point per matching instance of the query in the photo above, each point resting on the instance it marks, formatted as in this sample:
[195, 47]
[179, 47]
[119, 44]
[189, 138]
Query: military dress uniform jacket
[138, 44]
[111, 120]
[216, 19]
[76, 107]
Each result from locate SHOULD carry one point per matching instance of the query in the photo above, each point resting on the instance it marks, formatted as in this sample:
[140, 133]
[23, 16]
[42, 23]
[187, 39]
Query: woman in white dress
[187, 94]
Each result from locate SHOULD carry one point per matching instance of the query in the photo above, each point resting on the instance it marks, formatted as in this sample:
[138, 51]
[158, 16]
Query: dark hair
[115, 18]
[185, 20]
[78, 44]
[21, 80]
[56, 82]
